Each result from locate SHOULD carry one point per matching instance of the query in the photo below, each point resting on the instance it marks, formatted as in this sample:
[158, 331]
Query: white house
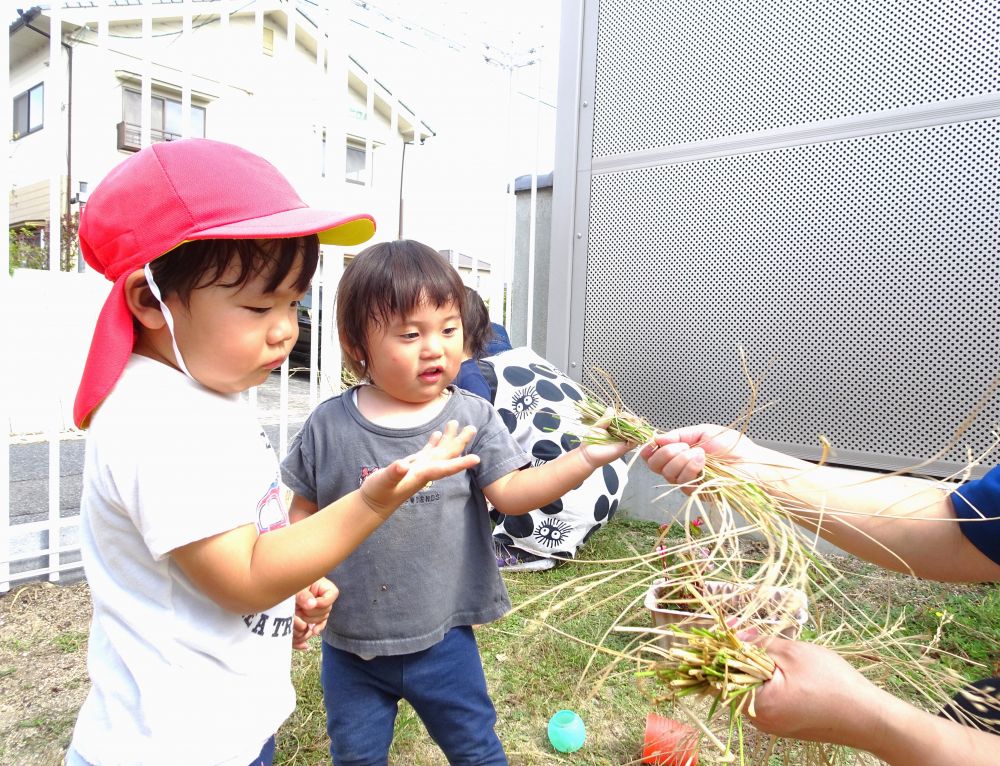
[274, 76]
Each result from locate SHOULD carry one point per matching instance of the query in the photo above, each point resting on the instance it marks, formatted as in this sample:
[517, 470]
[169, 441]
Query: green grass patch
[71, 641]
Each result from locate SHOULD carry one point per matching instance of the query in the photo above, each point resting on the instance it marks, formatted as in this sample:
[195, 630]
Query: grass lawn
[532, 669]
[535, 669]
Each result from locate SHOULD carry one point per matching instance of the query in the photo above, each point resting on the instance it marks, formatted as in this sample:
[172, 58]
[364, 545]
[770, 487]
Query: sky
[494, 119]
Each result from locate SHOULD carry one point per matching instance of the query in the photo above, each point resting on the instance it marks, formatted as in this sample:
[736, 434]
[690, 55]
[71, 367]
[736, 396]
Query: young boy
[209, 249]
[410, 594]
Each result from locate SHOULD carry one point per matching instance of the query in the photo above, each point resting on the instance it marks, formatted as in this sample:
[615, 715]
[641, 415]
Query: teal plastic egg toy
[566, 731]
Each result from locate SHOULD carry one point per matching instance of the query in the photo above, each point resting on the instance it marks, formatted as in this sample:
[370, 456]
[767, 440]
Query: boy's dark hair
[202, 262]
[387, 280]
[476, 328]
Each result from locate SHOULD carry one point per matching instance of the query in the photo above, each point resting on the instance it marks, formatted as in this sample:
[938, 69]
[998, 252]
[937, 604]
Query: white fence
[47, 319]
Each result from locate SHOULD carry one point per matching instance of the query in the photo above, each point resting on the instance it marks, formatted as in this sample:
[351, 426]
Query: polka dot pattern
[536, 403]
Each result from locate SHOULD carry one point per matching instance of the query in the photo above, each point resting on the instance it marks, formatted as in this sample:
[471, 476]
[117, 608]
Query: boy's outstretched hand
[389, 487]
[601, 453]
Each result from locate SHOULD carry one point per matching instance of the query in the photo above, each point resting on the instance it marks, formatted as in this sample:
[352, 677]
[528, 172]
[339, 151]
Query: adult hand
[679, 455]
[816, 695]
[312, 608]
[389, 487]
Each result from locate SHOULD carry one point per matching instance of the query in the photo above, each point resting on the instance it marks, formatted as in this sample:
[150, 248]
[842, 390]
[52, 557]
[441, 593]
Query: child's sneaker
[515, 560]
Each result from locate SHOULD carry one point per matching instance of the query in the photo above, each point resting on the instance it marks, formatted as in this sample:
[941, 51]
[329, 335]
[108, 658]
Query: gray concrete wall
[540, 289]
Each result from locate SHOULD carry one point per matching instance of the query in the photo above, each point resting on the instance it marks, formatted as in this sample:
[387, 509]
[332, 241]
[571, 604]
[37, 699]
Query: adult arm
[246, 572]
[902, 523]
[816, 695]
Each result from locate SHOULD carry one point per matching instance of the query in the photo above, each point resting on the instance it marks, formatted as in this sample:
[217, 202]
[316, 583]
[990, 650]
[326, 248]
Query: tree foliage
[29, 245]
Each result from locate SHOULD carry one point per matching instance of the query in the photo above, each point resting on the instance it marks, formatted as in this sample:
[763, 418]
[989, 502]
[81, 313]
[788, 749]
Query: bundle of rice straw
[790, 552]
[713, 661]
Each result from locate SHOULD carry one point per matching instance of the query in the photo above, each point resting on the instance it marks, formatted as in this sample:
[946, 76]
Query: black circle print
[571, 391]
[509, 419]
[518, 376]
[541, 369]
[519, 526]
[546, 421]
[590, 533]
[601, 508]
[546, 450]
[549, 391]
[569, 441]
[611, 513]
[552, 508]
[610, 478]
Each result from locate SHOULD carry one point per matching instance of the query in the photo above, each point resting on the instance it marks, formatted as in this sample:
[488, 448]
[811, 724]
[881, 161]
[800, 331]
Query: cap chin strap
[168, 317]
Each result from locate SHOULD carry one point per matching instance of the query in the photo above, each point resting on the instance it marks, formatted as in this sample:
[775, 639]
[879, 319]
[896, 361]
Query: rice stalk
[788, 557]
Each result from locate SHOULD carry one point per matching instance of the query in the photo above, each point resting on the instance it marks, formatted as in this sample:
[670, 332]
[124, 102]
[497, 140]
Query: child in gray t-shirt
[401, 627]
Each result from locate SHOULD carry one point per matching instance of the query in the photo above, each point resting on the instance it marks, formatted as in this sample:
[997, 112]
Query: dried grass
[735, 509]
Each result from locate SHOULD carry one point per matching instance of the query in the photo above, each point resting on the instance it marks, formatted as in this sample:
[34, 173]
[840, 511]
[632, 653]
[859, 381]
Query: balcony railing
[130, 136]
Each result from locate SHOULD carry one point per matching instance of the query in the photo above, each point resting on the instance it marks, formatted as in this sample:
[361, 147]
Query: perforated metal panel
[867, 269]
[676, 71]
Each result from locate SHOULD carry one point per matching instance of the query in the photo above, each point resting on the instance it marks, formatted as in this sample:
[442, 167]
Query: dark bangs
[201, 263]
[411, 272]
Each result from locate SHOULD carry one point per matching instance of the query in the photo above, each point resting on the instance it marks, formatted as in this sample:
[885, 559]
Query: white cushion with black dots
[536, 403]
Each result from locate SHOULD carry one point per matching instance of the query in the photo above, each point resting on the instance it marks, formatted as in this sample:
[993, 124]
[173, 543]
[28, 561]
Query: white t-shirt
[176, 679]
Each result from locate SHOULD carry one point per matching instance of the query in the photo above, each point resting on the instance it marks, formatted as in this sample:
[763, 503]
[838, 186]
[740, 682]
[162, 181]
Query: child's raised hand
[603, 452]
[600, 448]
[389, 487]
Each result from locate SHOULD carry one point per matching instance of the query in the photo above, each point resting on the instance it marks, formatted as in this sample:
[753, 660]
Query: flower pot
[669, 743]
[785, 609]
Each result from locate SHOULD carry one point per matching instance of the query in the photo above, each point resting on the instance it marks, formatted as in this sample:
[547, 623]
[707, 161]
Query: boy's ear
[354, 354]
[141, 303]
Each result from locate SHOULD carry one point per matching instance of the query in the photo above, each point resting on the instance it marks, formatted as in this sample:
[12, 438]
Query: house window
[165, 120]
[356, 164]
[268, 42]
[29, 111]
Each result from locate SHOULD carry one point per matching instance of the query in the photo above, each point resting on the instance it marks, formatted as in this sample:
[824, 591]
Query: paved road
[29, 465]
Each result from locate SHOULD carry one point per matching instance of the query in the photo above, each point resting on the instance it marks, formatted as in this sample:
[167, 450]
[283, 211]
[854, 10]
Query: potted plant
[700, 603]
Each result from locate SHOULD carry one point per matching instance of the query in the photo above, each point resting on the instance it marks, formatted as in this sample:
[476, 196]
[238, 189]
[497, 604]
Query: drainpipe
[402, 167]
[69, 113]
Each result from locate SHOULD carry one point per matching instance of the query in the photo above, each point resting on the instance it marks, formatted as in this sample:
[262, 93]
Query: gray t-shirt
[431, 566]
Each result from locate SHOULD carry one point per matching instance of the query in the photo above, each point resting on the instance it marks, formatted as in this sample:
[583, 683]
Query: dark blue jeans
[444, 684]
[266, 754]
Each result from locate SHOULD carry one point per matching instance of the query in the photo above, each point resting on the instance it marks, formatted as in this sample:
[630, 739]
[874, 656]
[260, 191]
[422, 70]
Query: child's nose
[433, 346]
[281, 330]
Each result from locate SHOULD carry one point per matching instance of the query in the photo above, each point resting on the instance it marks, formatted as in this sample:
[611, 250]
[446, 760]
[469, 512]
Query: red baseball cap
[175, 192]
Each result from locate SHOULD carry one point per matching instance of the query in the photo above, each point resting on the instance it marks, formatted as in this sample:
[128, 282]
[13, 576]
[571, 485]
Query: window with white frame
[165, 124]
[29, 111]
[356, 162]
